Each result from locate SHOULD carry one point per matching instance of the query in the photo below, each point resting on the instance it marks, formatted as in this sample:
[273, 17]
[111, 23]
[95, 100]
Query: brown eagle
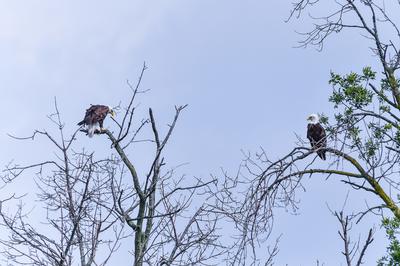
[94, 118]
[316, 134]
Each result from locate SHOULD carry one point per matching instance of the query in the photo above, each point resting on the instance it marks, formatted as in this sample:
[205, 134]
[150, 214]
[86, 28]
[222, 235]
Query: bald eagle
[94, 118]
[316, 134]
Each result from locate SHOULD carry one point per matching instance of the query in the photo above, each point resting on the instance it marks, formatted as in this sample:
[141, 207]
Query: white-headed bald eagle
[94, 118]
[316, 134]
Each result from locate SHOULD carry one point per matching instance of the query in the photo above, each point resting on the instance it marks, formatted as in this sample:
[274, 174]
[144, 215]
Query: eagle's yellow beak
[112, 113]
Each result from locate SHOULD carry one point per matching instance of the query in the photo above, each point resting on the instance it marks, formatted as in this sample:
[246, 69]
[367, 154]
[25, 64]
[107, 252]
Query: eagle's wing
[311, 134]
[95, 114]
[321, 136]
[317, 136]
[100, 113]
[88, 116]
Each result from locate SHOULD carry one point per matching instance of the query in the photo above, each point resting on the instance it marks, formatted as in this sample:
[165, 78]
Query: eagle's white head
[313, 119]
[111, 111]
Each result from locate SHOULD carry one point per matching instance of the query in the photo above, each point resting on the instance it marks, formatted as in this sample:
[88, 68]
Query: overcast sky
[232, 61]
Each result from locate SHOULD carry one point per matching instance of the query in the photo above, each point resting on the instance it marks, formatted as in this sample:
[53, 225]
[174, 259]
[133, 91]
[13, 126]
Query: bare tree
[92, 204]
[74, 193]
[352, 249]
[169, 229]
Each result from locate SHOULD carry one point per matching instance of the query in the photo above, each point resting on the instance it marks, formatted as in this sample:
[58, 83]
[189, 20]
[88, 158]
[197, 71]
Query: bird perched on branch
[317, 136]
[94, 118]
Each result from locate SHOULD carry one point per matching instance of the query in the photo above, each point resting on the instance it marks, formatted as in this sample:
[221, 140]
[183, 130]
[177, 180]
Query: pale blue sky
[232, 61]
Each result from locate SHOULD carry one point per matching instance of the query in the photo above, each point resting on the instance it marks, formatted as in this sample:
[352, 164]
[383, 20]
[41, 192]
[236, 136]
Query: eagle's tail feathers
[322, 155]
[91, 130]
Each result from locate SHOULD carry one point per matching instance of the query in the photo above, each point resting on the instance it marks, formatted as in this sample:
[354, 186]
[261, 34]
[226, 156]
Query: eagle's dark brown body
[317, 136]
[94, 117]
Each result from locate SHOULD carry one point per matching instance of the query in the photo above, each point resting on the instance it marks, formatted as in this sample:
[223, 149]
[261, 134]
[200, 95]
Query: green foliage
[384, 108]
[397, 139]
[352, 88]
[359, 110]
[388, 84]
[368, 73]
[323, 119]
[371, 147]
[392, 258]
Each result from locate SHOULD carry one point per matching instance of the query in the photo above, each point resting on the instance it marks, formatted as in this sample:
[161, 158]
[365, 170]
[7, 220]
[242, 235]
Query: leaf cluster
[392, 258]
[362, 111]
[352, 88]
